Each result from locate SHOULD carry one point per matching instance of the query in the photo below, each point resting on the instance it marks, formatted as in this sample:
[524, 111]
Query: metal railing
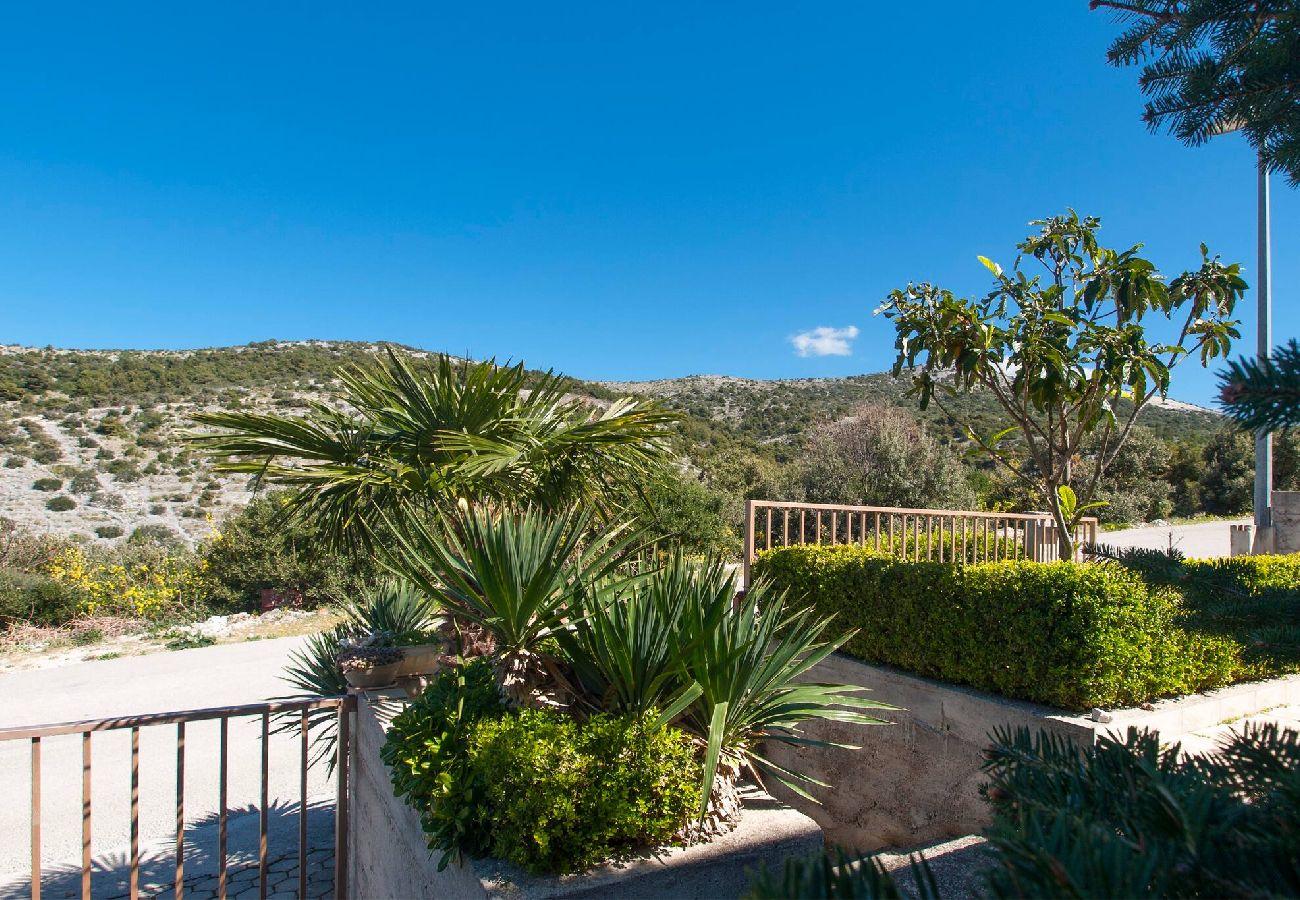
[942, 535]
[344, 705]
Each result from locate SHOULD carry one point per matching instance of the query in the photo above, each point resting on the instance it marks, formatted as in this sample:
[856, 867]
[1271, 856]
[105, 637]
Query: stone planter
[420, 659]
[389, 857]
[376, 677]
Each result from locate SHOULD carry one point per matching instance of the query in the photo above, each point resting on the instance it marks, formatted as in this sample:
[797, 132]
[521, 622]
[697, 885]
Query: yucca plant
[520, 575]
[627, 650]
[398, 610]
[749, 658]
[678, 641]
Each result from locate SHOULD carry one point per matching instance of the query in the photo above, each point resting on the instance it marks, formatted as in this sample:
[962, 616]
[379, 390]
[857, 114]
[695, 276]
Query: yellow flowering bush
[146, 588]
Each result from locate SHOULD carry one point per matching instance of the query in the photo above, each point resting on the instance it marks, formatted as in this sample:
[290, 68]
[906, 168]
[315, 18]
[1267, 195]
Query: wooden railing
[941, 535]
[305, 709]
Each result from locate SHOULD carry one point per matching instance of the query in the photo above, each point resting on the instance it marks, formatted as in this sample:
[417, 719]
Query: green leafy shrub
[536, 787]
[85, 482]
[61, 503]
[15, 462]
[35, 598]
[156, 534]
[47, 484]
[1254, 575]
[1254, 600]
[1066, 634]
[427, 751]
[565, 795]
[256, 549]
[110, 531]
[684, 513]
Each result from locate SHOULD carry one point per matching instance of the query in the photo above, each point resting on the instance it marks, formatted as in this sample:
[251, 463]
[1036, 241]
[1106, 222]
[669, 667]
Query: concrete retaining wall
[916, 781]
[1286, 521]
[389, 857]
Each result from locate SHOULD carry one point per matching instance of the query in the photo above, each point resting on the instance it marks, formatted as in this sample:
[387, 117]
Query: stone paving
[243, 882]
[1208, 739]
[110, 870]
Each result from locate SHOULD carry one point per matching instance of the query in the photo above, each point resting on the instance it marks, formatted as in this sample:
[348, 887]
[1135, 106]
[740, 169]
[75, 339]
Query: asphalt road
[223, 675]
[1200, 541]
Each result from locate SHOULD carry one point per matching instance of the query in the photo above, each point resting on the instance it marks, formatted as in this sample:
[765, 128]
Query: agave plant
[749, 658]
[518, 575]
[394, 610]
[731, 672]
[398, 610]
[626, 649]
[415, 435]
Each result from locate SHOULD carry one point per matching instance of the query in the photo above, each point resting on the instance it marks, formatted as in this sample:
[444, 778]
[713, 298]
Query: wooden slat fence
[941, 535]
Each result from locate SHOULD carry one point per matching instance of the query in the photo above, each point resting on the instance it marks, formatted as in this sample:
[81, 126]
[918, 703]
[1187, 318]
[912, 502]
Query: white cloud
[825, 341]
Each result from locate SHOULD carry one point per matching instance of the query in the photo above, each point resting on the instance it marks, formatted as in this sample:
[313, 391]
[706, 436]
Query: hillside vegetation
[90, 442]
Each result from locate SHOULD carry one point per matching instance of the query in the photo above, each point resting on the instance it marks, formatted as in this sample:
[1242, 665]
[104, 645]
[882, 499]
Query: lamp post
[1264, 343]
[1264, 332]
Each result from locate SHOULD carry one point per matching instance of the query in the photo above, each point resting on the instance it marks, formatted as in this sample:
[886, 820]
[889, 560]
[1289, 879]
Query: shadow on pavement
[111, 870]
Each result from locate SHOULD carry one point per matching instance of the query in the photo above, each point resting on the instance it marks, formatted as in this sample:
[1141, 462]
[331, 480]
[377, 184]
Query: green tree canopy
[880, 456]
[1215, 65]
[1060, 348]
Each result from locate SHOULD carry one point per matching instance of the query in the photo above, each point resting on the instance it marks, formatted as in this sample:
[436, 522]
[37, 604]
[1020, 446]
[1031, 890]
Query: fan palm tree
[410, 436]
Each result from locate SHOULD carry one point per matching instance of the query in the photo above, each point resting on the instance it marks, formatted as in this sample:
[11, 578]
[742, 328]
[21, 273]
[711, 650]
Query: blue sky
[615, 190]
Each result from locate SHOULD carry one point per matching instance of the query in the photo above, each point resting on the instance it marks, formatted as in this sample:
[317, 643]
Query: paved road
[1200, 541]
[186, 679]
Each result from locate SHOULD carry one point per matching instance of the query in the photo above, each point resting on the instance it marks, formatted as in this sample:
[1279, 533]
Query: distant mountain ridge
[89, 439]
[778, 409]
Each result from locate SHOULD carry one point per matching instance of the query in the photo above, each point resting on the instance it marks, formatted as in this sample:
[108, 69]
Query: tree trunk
[1064, 530]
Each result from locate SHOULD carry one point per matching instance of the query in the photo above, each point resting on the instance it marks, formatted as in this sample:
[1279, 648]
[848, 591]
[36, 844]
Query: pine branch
[1263, 395]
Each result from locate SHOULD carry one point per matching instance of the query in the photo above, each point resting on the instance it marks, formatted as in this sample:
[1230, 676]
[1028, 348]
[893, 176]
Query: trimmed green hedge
[1069, 635]
[1254, 600]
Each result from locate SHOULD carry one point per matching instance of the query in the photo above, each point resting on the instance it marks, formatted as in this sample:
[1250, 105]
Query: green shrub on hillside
[682, 512]
[61, 503]
[34, 598]
[256, 549]
[1066, 634]
[47, 484]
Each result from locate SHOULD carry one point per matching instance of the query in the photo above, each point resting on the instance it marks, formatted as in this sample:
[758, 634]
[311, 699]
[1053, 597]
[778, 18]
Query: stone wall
[387, 853]
[916, 781]
[1286, 521]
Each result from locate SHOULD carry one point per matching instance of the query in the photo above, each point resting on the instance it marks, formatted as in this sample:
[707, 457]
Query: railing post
[36, 818]
[341, 826]
[749, 543]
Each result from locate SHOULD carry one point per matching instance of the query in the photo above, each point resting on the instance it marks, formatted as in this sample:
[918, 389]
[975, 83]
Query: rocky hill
[90, 440]
[780, 410]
